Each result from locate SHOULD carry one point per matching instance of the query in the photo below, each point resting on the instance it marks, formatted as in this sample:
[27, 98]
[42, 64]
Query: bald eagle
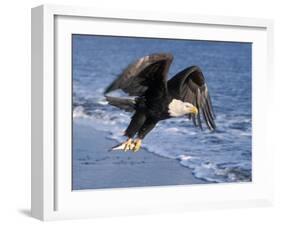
[154, 98]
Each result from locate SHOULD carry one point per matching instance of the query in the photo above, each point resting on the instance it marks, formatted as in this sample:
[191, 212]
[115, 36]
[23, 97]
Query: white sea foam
[207, 160]
[221, 156]
[78, 112]
[184, 157]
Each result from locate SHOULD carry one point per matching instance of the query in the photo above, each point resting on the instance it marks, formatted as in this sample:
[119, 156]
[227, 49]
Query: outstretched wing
[127, 104]
[149, 71]
[189, 86]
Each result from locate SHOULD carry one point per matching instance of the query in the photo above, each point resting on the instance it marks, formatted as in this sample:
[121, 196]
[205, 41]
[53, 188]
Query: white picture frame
[52, 197]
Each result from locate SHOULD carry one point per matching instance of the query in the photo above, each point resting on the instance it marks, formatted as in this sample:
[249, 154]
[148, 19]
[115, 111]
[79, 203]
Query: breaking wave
[220, 156]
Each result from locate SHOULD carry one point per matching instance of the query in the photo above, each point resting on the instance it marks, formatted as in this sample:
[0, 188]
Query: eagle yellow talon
[137, 145]
[128, 145]
[132, 145]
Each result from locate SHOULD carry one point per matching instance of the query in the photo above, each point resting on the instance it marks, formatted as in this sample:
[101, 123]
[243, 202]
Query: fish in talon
[123, 146]
[118, 147]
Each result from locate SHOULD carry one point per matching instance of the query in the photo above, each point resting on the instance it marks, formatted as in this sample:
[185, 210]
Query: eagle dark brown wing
[189, 86]
[149, 71]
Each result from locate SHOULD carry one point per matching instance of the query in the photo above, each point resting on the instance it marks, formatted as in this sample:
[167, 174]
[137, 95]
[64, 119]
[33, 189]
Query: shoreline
[94, 167]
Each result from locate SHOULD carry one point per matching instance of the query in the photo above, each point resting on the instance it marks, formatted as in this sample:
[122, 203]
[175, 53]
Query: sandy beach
[95, 167]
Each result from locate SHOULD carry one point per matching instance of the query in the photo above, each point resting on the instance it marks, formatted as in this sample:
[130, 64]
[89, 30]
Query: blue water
[220, 156]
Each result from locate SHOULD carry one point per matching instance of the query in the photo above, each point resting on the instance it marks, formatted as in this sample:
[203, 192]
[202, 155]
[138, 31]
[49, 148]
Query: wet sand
[95, 167]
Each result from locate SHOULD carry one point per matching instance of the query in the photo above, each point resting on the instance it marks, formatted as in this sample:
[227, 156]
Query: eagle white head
[179, 108]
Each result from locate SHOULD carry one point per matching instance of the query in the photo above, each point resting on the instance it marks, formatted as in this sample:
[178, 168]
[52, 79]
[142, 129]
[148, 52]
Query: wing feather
[198, 105]
[149, 71]
[127, 104]
[189, 86]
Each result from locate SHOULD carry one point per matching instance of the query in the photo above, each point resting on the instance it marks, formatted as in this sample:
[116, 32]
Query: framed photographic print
[137, 112]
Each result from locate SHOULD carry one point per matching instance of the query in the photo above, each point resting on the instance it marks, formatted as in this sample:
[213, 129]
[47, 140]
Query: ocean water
[220, 156]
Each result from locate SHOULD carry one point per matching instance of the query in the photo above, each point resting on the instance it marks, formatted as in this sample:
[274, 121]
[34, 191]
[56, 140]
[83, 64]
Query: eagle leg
[136, 145]
[128, 145]
[125, 146]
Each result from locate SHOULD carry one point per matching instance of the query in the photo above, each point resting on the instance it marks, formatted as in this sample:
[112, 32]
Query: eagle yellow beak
[194, 110]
